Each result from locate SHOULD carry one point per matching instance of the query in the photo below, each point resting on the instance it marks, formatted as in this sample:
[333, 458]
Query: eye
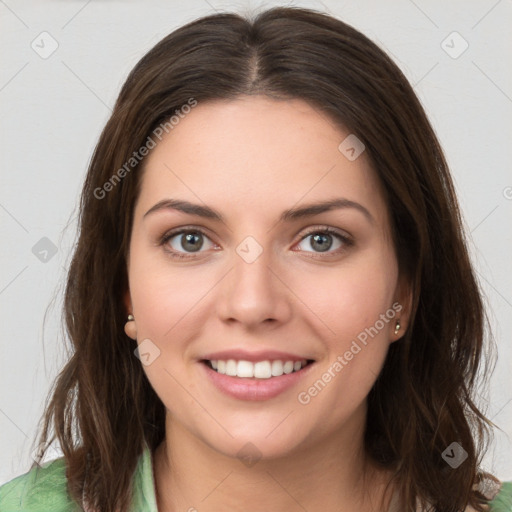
[184, 242]
[321, 240]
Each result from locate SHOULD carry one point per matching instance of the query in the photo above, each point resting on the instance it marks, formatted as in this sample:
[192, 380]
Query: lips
[263, 355]
[255, 375]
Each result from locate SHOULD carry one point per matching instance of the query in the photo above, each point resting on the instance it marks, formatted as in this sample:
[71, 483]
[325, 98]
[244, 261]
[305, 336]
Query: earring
[397, 327]
[130, 328]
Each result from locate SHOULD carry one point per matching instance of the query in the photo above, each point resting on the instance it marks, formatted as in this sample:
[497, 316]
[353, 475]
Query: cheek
[351, 299]
[354, 308]
[165, 302]
[165, 297]
[357, 306]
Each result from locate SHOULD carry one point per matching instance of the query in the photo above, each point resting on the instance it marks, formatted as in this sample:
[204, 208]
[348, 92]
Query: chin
[257, 441]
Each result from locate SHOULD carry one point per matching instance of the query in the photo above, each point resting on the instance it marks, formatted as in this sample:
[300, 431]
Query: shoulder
[502, 501]
[498, 494]
[42, 489]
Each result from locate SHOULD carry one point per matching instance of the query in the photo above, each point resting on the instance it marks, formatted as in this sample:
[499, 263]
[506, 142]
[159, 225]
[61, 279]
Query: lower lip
[254, 389]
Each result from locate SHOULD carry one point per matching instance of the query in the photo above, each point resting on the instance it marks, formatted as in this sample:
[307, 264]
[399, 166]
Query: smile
[257, 370]
[255, 380]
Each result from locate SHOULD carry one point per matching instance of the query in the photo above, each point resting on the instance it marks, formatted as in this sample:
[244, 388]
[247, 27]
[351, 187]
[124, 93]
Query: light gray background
[53, 109]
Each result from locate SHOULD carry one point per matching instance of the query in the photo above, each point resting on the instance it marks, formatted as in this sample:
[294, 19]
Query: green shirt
[44, 489]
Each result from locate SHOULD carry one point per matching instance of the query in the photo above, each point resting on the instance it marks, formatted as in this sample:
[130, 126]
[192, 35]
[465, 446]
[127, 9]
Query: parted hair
[102, 409]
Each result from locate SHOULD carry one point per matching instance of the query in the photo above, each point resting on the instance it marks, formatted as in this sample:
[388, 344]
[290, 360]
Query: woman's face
[260, 287]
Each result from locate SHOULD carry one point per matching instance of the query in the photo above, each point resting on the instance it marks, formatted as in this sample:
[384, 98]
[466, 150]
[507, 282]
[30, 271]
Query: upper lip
[244, 355]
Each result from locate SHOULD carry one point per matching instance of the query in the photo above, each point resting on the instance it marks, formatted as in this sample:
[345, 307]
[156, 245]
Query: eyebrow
[309, 210]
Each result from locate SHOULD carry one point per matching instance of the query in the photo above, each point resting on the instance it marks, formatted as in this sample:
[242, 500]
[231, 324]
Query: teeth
[245, 369]
[288, 367]
[277, 368]
[231, 368]
[262, 370]
[259, 370]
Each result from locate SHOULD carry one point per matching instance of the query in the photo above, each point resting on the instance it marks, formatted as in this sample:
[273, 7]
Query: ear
[129, 327]
[402, 305]
[127, 301]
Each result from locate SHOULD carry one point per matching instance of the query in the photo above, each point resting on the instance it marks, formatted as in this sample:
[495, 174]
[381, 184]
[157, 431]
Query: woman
[271, 302]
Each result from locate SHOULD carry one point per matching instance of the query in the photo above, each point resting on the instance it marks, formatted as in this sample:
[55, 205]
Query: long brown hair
[102, 408]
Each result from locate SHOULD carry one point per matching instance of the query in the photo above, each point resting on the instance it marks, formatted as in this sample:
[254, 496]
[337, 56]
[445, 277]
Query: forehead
[254, 152]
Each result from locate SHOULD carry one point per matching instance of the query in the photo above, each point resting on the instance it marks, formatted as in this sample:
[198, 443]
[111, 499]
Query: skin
[250, 159]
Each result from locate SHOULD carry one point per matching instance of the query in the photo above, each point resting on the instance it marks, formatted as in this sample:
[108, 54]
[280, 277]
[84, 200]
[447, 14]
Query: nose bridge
[252, 293]
[252, 265]
[252, 270]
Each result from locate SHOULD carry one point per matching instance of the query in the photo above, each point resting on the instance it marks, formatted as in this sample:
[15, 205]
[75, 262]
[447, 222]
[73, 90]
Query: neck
[191, 476]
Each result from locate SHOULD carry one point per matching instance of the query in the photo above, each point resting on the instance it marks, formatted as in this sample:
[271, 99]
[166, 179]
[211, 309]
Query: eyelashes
[199, 235]
[182, 231]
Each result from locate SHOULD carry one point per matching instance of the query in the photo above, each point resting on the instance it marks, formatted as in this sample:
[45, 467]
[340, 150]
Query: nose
[254, 293]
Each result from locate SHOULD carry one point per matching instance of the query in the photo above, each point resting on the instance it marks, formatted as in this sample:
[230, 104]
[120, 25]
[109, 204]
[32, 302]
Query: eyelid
[327, 229]
[183, 229]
